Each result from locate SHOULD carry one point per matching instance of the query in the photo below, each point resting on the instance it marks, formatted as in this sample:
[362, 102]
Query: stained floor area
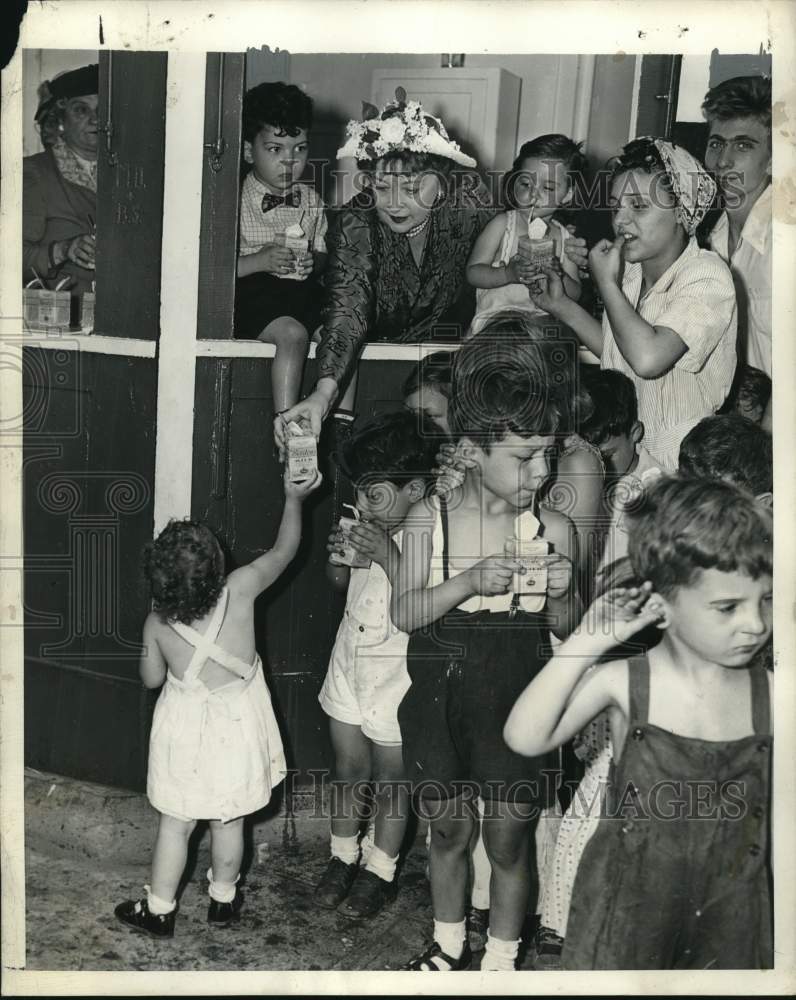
[71, 926]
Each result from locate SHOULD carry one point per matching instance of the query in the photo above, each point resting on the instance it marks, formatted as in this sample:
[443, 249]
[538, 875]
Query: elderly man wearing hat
[59, 186]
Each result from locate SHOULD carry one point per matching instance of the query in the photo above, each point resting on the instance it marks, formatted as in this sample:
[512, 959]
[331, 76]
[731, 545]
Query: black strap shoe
[135, 913]
[334, 884]
[223, 914]
[368, 895]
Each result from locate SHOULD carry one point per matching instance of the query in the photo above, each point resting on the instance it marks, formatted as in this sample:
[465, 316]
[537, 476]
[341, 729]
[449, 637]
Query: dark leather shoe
[222, 914]
[135, 913]
[334, 884]
[368, 895]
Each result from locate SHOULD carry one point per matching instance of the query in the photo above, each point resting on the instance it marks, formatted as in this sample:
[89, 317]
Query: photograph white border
[623, 27]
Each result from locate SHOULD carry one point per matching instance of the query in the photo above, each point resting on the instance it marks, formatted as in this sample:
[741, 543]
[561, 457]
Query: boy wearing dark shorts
[282, 234]
[479, 629]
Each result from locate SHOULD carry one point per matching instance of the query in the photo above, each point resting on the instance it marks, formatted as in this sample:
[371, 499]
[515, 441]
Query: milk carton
[349, 556]
[296, 240]
[302, 453]
[533, 554]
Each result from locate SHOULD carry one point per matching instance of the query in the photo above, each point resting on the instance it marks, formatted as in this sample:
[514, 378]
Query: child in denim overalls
[677, 874]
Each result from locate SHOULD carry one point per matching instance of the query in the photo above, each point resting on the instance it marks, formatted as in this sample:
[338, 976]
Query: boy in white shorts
[391, 465]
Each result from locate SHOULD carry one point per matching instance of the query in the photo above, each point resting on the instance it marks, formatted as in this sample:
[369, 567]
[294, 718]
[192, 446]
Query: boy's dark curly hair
[393, 448]
[285, 107]
[732, 448]
[185, 569]
[505, 382]
[546, 147]
[751, 387]
[433, 370]
[614, 407]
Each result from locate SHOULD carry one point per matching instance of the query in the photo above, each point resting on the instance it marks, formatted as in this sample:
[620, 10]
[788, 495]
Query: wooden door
[657, 97]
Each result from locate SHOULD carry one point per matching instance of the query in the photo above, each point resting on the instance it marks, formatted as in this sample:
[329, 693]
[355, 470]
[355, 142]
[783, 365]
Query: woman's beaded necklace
[418, 229]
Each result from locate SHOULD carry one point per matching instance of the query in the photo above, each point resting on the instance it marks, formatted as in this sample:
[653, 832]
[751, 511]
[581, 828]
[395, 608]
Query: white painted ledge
[89, 343]
[371, 352]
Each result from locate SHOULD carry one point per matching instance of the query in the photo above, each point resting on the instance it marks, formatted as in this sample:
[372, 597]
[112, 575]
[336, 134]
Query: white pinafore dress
[214, 754]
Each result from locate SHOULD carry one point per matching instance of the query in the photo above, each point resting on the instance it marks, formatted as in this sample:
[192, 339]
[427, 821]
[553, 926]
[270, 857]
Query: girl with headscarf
[59, 186]
[670, 314]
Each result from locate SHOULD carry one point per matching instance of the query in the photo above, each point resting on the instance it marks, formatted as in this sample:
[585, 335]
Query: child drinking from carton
[670, 314]
[282, 234]
[516, 245]
[677, 873]
[215, 752]
[478, 633]
[390, 463]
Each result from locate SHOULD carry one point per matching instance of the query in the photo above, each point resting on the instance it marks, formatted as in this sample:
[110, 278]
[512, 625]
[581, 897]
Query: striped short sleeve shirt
[695, 297]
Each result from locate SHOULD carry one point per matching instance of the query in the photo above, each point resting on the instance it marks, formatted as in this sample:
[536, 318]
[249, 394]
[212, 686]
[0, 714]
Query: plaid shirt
[258, 228]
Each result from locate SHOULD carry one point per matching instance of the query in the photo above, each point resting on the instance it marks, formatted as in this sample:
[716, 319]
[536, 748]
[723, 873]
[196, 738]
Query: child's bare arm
[551, 296]
[563, 697]
[261, 572]
[480, 272]
[152, 665]
[572, 287]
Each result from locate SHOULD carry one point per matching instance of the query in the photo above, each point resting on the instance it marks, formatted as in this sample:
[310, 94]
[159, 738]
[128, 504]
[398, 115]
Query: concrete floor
[71, 926]
[88, 848]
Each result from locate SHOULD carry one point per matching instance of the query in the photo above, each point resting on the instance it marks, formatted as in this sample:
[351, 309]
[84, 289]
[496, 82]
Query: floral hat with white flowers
[400, 126]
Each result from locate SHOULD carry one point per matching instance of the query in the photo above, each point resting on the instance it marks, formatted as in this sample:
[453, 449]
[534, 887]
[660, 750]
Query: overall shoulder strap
[443, 513]
[638, 671]
[761, 702]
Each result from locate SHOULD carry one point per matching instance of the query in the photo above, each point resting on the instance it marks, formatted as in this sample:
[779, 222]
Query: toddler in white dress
[215, 752]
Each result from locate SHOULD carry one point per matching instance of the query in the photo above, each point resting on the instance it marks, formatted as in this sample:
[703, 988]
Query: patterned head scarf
[692, 186]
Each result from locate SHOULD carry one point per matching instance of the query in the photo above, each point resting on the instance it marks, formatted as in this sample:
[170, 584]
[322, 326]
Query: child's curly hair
[185, 569]
[283, 106]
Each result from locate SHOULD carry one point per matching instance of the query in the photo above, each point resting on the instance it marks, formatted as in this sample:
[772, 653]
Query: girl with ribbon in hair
[59, 186]
[670, 312]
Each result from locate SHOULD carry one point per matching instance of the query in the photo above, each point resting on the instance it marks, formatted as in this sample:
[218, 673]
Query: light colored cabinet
[479, 107]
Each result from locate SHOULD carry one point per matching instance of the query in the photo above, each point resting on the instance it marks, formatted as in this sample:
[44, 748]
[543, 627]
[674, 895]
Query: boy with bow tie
[282, 230]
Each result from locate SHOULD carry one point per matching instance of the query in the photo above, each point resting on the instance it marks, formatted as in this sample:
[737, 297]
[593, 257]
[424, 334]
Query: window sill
[54, 339]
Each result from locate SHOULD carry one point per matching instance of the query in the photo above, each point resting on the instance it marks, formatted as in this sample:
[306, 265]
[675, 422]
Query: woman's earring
[61, 127]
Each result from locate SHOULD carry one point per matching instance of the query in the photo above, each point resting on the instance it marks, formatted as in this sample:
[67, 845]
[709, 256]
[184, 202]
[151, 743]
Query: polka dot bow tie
[270, 201]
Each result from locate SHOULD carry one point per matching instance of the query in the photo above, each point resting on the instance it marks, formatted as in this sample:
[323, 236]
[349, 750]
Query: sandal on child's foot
[434, 959]
[477, 926]
[223, 914]
[136, 914]
[334, 884]
[368, 895]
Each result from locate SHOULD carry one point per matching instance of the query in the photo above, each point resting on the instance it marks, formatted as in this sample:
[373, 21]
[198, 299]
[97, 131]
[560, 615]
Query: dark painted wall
[89, 462]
